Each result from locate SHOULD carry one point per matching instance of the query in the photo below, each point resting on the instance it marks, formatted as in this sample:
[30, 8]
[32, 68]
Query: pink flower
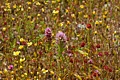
[60, 36]
[48, 33]
[10, 67]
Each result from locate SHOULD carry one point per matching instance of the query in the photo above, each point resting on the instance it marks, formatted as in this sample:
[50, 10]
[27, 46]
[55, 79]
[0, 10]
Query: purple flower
[90, 61]
[60, 36]
[48, 33]
[10, 67]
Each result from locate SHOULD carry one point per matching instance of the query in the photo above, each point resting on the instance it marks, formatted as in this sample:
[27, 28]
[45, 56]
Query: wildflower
[82, 26]
[28, 3]
[25, 74]
[96, 73]
[100, 54]
[29, 43]
[37, 3]
[22, 40]
[29, 8]
[48, 33]
[14, 6]
[4, 29]
[93, 12]
[21, 67]
[95, 32]
[55, 11]
[90, 61]
[5, 70]
[43, 9]
[96, 22]
[44, 71]
[68, 22]
[10, 67]
[51, 72]
[82, 44]
[22, 9]
[89, 26]
[60, 36]
[73, 15]
[81, 6]
[66, 11]
[59, 78]
[107, 27]
[38, 15]
[16, 53]
[22, 59]
[106, 53]
[21, 47]
[61, 24]
[85, 16]
[98, 46]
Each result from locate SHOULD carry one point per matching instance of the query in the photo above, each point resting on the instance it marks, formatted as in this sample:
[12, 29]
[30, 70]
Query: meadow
[59, 39]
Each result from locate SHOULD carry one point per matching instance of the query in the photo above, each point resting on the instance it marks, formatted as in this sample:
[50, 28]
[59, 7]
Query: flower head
[16, 53]
[10, 67]
[48, 32]
[60, 36]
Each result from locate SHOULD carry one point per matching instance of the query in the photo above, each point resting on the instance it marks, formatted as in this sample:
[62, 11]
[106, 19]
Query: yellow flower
[37, 3]
[100, 22]
[22, 75]
[58, 0]
[59, 78]
[68, 22]
[22, 40]
[107, 27]
[29, 43]
[25, 74]
[81, 6]
[44, 71]
[14, 6]
[16, 53]
[21, 47]
[104, 16]
[21, 67]
[85, 16]
[22, 59]
[96, 22]
[29, 7]
[66, 11]
[43, 9]
[13, 19]
[0, 72]
[61, 24]
[51, 72]
[22, 9]
[38, 15]
[106, 12]
[29, 17]
[115, 32]
[20, 6]
[73, 15]
[3, 29]
[53, 2]
[28, 3]
[55, 11]
[94, 12]
[5, 70]
[95, 32]
[35, 44]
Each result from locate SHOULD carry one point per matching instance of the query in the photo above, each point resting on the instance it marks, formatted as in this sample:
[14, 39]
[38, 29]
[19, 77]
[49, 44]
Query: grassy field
[60, 40]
